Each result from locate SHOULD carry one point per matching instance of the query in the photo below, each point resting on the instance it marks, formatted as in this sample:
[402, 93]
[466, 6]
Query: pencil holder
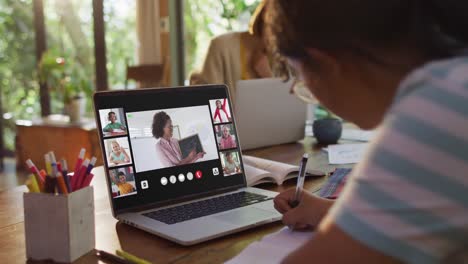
[59, 227]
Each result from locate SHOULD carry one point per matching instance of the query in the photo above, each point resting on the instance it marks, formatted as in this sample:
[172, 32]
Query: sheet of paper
[272, 248]
[357, 134]
[346, 153]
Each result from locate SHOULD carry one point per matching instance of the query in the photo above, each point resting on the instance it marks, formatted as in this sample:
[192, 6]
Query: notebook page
[272, 248]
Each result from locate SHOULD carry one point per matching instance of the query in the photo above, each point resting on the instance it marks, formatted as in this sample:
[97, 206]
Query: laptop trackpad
[245, 216]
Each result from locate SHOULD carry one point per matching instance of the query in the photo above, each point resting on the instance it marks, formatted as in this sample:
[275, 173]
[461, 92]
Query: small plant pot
[327, 131]
[76, 109]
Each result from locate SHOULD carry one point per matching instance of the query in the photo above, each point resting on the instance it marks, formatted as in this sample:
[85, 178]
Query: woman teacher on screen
[167, 147]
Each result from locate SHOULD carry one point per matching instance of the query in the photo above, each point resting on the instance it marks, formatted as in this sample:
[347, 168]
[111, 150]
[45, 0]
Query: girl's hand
[308, 213]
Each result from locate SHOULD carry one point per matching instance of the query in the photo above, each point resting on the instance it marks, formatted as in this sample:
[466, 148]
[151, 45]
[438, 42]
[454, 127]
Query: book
[258, 170]
[189, 144]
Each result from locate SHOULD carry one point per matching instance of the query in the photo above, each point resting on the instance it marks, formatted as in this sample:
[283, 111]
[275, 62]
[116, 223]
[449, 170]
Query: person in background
[113, 123]
[167, 147]
[118, 154]
[121, 183]
[401, 65]
[227, 141]
[236, 56]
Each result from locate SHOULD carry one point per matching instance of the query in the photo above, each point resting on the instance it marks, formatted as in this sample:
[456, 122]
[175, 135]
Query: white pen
[300, 181]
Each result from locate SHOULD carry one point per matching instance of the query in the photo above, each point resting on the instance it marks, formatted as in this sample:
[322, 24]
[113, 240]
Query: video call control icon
[198, 174]
[181, 177]
[189, 176]
[144, 185]
[173, 179]
[215, 171]
[164, 181]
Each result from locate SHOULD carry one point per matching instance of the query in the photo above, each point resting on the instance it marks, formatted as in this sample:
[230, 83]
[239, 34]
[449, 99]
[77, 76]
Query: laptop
[268, 114]
[152, 186]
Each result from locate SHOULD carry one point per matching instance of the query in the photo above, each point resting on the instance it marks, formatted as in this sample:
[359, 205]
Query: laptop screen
[168, 144]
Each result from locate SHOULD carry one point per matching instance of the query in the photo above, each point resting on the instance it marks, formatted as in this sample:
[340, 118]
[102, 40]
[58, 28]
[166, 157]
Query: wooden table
[111, 235]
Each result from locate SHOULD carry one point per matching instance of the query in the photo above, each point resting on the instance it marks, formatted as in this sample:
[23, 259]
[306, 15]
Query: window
[205, 19]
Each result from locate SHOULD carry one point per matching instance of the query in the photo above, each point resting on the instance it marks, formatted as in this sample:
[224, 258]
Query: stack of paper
[346, 153]
[357, 134]
[272, 248]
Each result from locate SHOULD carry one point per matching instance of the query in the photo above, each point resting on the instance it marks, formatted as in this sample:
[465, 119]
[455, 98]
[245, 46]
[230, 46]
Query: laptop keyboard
[211, 206]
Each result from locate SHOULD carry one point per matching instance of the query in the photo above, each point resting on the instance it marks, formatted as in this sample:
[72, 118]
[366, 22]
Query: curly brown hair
[437, 28]
[159, 122]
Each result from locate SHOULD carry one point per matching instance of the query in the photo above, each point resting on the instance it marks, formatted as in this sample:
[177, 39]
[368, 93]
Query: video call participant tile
[220, 111]
[113, 122]
[117, 151]
[122, 182]
[168, 138]
[225, 136]
[231, 163]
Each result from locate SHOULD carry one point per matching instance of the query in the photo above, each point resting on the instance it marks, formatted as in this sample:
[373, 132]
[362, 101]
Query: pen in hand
[300, 182]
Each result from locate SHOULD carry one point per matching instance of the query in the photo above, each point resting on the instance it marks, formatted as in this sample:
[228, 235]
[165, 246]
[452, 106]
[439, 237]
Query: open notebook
[258, 170]
[272, 248]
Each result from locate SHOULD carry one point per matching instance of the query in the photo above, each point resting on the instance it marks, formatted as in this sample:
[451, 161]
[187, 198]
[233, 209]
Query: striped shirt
[409, 197]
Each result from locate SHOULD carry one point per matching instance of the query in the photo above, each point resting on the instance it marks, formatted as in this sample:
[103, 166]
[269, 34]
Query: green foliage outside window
[69, 29]
[19, 90]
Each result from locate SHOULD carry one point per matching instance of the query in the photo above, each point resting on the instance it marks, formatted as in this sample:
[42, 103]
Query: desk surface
[111, 235]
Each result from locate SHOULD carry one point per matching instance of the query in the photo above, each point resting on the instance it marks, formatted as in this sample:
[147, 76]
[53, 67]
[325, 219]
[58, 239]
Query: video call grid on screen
[165, 99]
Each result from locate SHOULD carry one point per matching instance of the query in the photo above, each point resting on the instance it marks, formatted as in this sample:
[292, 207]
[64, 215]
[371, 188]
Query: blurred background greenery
[70, 37]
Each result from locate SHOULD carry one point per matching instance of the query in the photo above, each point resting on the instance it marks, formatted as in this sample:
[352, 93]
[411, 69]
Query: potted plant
[68, 83]
[327, 127]
[76, 90]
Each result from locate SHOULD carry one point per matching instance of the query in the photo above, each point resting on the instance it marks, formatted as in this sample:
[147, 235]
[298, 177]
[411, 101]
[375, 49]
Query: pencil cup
[59, 227]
